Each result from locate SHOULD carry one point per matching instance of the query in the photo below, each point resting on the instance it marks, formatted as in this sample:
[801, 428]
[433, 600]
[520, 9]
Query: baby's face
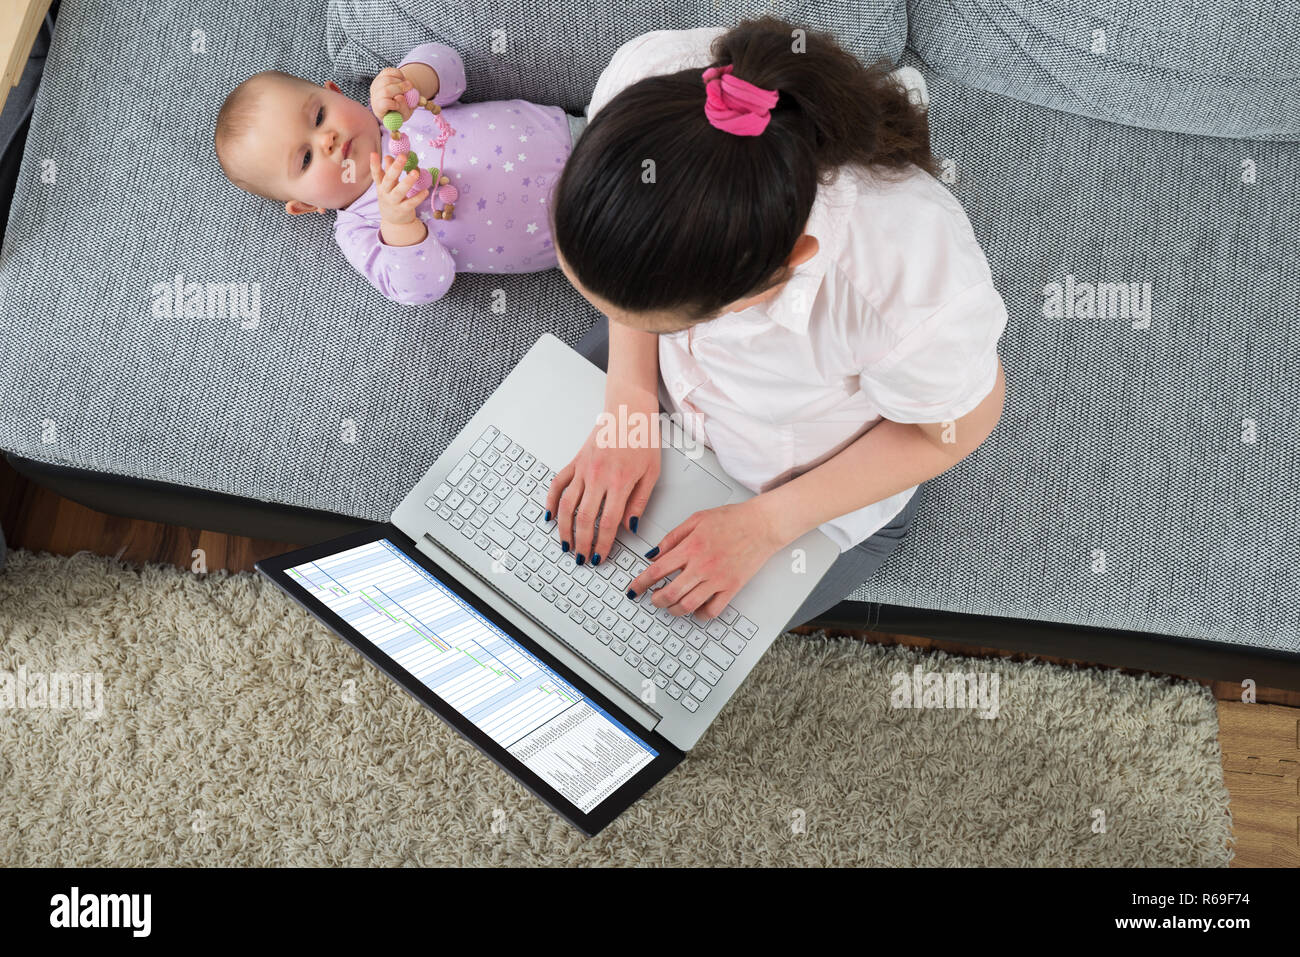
[311, 144]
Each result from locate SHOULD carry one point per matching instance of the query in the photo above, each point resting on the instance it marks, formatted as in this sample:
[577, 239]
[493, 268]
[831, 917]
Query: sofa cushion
[563, 46]
[1140, 478]
[1188, 66]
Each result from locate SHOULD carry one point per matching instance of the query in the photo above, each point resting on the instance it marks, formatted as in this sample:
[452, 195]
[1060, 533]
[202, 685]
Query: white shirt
[896, 317]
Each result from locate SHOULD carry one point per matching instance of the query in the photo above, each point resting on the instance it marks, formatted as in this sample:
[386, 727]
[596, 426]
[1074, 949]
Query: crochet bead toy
[399, 147]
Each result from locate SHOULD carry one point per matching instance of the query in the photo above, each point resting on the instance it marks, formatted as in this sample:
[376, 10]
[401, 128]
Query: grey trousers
[852, 568]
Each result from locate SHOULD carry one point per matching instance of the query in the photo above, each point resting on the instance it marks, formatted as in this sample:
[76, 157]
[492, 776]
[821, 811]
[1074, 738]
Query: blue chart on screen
[571, 742]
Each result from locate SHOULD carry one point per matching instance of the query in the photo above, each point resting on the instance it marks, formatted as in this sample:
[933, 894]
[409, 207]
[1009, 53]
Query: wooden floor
[1260, 742]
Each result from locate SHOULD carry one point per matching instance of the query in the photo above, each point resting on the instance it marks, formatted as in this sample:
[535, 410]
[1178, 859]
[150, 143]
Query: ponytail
[857, 114]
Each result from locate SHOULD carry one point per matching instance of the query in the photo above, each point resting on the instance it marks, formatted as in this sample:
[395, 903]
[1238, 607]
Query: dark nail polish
[631, 593]
[579, 559]
[653, 552]
[632, 521]
[595, 559]
[548, 515]
[564, 546]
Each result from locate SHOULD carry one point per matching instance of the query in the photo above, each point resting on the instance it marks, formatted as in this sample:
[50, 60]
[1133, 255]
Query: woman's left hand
[715, 553]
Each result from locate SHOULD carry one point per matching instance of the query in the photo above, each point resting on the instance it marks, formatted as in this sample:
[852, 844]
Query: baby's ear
[297, 207]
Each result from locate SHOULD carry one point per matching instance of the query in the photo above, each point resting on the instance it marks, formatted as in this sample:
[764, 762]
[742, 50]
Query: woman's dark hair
[720, 213]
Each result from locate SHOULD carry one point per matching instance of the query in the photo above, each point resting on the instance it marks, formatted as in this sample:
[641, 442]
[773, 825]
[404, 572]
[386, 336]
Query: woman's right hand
[619, 475]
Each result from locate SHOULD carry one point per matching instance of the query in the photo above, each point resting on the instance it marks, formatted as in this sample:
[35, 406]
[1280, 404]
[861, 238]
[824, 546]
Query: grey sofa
[1136, 504]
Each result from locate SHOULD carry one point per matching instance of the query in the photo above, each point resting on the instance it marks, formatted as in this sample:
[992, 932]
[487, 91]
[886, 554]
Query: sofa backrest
[553, 51]
[1210, 67]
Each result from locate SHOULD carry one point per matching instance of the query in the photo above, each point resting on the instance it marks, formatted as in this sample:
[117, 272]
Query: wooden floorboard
[1260, 742]
[40, 520]
[1261, 766]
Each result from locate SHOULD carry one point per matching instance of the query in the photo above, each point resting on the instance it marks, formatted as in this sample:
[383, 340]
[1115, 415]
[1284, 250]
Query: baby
[312, 148]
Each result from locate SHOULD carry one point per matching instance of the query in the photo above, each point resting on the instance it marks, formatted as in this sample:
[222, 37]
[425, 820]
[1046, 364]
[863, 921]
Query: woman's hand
[387, 93]
[620, 477]
[398, 224]
[715, 553]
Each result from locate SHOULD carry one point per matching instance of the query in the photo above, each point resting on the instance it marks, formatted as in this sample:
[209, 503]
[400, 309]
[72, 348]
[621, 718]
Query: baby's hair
[723, 211]
[236, 119]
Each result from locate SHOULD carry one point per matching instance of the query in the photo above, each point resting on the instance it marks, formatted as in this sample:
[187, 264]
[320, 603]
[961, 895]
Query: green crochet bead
[393, 120]
[412, 161]
[435, 173]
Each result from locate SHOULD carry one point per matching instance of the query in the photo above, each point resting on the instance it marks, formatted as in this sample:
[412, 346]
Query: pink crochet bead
[423, 181]
[412, 97]
[448, 193]
[398, 144]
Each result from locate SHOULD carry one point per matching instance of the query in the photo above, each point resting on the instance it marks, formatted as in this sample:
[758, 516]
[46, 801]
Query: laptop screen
[504, 690]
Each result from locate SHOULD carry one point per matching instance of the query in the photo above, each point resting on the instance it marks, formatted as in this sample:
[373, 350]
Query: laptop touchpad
[683, 488]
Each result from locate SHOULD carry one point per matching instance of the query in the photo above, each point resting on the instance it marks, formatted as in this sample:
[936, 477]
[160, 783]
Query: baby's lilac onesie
[504, 159]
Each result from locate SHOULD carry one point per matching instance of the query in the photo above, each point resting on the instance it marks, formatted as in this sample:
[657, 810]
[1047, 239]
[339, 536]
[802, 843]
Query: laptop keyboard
[496, 498]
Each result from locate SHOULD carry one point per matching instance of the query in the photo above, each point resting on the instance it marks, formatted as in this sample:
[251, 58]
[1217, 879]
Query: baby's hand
[395, 208]
[387, 94]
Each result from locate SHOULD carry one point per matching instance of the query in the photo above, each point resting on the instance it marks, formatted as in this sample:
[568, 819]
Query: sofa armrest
[19, 22]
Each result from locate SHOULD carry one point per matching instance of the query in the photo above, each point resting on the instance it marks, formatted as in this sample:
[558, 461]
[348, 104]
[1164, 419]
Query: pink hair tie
[735, 105]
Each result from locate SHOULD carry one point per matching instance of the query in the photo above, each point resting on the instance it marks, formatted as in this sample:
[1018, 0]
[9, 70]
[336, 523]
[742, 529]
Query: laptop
[464, 598]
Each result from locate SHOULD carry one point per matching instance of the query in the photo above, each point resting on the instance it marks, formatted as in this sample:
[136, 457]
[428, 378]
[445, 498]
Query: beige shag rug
[237, 731]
